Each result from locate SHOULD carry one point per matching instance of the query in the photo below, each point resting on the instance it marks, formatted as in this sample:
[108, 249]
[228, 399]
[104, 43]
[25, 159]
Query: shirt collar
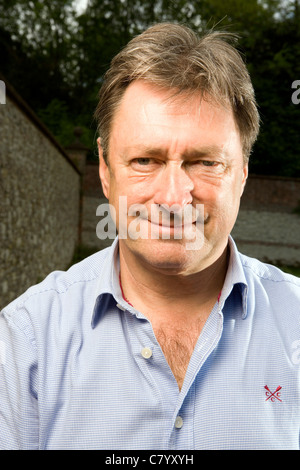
[108, 285]
[235, 276]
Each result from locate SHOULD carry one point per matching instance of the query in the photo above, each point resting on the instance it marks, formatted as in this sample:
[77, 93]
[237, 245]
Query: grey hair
[173, 56]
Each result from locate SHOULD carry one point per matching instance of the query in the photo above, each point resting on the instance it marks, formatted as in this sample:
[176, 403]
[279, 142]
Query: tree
[56, 59]
[40, 59]
[270, 33]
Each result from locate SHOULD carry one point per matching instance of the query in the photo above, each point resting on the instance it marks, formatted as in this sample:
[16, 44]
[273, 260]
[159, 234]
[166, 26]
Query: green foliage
[295, 271]
[81, 252]
[55, 117]
[56, 59]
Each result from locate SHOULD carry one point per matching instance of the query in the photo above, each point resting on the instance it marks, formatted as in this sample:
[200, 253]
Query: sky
[80, 5]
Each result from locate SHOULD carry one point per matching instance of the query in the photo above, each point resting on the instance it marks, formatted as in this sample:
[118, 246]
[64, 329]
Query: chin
[170, 256]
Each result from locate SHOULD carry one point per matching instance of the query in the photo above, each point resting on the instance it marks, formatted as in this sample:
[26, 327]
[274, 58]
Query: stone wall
[39, 200]
[268, 224]
[270, 236]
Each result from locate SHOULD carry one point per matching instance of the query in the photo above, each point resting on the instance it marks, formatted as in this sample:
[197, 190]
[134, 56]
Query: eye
[204, 163]
[144, 164]
[143, 161]
[209, 168]
[208, 163]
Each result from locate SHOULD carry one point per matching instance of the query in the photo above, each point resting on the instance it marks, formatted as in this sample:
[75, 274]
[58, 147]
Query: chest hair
[177, 344]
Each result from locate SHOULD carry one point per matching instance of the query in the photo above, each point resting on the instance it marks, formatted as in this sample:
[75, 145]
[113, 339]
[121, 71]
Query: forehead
[149, 114]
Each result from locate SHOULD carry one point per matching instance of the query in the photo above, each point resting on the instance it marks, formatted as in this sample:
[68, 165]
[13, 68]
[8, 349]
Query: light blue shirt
[82, 369]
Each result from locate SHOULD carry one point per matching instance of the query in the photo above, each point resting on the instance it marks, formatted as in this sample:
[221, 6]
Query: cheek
[229, 204]
[138, 190]
[207, 192]
[220, 198]
[126, 198]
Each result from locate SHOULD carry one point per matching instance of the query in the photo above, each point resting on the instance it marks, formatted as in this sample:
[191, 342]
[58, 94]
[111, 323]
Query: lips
[172, 225]
[164, 222]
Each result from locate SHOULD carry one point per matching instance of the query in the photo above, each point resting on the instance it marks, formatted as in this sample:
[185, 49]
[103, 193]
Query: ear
[244, 178]
[103, 170]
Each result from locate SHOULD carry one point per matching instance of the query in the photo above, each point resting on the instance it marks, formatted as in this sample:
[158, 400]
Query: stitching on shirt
[61, 291]
[11, 315]
[95, 276]
[26, 330]
[290, 281]
[32, 294]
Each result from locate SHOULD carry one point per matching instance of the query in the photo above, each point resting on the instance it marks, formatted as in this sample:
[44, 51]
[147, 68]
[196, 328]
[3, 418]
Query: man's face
[179, 152]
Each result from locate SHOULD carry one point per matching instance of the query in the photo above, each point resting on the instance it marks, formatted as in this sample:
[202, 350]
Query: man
[172, 339]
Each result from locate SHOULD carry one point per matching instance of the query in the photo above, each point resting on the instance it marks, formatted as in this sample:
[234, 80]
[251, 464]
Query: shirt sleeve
[18, 383]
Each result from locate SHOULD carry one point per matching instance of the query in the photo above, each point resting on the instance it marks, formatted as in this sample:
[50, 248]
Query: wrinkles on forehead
[167, 106]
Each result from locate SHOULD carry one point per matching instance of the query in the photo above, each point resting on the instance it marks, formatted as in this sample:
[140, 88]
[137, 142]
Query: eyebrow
[209, 151]
[201, 152]
[145, 150]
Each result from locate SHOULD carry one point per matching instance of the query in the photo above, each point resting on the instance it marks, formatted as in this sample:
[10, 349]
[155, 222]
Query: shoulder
[273, 281]
[273, 305]
[268, 272]
[59, 287]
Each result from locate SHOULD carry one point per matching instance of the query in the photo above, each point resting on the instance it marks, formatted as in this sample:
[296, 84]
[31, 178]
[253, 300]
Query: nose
[174, 187]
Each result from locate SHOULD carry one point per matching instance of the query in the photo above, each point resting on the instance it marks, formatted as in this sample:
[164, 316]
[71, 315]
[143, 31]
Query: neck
[156, 293]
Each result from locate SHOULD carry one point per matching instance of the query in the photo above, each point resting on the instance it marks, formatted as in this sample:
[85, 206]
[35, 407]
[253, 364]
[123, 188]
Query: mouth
[174, 231]
[180, 224]
[161, 223]
[172, 225]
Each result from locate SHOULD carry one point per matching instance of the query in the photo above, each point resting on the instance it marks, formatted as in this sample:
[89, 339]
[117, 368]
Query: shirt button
[146, 353]
[178, 422]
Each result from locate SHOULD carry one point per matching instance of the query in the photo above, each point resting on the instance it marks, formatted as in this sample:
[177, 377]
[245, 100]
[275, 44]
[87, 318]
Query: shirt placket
[178, 407]
[182, 436]
[153, 365]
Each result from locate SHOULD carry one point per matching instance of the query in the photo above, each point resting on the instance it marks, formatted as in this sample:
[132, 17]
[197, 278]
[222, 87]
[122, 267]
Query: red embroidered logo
[273, 396]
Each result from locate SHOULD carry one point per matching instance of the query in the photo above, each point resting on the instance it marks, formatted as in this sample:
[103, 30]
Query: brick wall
[271, 193]
[39, 200]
